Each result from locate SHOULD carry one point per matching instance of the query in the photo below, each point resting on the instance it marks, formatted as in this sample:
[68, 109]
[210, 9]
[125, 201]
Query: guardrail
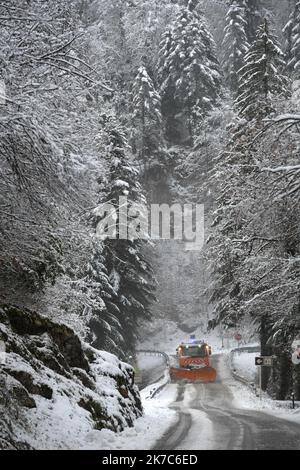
[248, 349]
[165, 381]
[251, 384]
[149, 352]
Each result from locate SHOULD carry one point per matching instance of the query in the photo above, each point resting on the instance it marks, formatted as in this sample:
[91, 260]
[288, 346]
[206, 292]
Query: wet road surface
[208, 419]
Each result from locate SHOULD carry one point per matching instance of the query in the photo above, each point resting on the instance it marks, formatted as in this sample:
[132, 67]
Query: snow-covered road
[209, 417]
[218, 416]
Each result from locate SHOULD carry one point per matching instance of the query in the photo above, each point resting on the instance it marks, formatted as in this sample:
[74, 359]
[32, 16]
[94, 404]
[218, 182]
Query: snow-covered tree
[129, 272]
[33, 190]
[235, 44]
[254, 245]
[261, 79]
[49, 124]
[189, 72]
[253, 10]
[147, 133]
[292, 34]
[104, 314]
[128, 32]
[66, 66]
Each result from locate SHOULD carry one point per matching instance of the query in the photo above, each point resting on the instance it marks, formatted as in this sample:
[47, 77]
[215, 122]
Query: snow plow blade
[203, 375]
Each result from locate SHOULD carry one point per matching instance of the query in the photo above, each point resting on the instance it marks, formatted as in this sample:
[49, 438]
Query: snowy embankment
[245, 396]
[243, 364]
[157, 417]
[59, 393]
[147, 430]
[56, 390]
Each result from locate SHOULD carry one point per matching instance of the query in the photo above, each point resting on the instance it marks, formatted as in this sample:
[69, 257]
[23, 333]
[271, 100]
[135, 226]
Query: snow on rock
[147, 430]
[54, 389]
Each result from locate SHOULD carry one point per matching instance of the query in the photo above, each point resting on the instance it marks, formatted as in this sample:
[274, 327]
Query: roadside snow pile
[147, 430]
[54, 389]
[152, 390]
[243, 363]
[245, 398]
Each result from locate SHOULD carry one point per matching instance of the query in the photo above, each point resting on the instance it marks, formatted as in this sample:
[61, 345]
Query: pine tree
[105, 314]
[292, 34]
[261, 83]
[235, 45]
[147, 139]
[261, 79]
[188, 70]
[253, 17]
[128, 269]
[288, 34]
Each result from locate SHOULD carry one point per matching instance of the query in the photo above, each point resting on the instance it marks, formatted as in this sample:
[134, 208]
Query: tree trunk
[265, 351]
[296, 382]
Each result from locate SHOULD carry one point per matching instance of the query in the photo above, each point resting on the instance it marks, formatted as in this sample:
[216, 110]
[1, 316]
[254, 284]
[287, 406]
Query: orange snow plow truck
[193, 363]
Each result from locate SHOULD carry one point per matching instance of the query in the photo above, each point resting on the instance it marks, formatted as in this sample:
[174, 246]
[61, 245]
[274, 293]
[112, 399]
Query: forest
[189, 101]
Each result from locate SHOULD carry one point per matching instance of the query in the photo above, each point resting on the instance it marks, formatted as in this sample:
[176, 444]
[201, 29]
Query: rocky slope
[54, 389]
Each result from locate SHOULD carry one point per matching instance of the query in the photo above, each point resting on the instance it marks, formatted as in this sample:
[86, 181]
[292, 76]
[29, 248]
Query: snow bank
[147, 430]
[245, 398]
[243, 364]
